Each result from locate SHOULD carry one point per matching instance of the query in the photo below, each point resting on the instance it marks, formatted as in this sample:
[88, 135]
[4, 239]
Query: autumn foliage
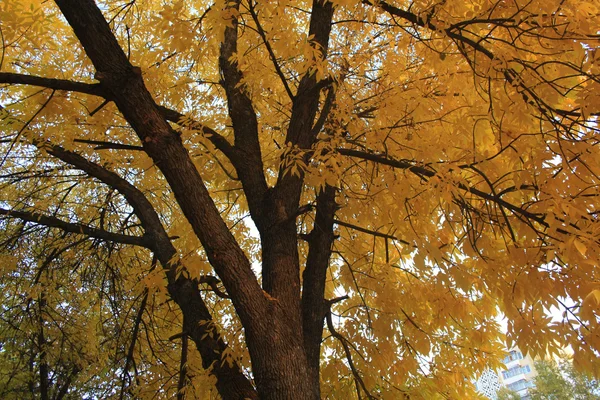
[294, 199]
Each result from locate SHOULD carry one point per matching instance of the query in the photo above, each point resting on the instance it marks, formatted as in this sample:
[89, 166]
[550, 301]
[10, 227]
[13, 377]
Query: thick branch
[424, 173]
[230, 380]
[314, 306]
[97, 89]
[281, 279]
[249, 166]
[53, 222]
[307, 97]
[51, 83]
[163, 145]
[141, 206]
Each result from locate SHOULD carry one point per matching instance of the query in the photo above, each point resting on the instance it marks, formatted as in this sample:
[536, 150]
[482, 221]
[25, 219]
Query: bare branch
[370, 232]
[52, 83]
[249, 164]
[272, 55]
[348, 353]
[53, 222]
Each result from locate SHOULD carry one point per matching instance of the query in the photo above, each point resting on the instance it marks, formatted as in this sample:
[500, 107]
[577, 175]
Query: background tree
[507, 394]
[294, 200]
[560, 380]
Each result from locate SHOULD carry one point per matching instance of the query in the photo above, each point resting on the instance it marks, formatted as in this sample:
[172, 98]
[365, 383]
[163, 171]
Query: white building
[517, 375]
[488, 384]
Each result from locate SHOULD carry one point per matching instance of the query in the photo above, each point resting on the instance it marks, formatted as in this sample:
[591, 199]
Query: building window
[512, 356]
[520, 385]
[516, 371]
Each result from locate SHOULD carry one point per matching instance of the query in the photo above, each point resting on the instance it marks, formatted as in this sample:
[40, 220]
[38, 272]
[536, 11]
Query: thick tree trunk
[279, 361]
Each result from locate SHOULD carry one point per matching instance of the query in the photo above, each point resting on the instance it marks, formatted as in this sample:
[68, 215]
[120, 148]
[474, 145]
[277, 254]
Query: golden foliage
[463, 145]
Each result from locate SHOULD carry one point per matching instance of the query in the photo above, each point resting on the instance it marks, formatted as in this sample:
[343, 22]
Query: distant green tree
[561, 381]
[507, 394]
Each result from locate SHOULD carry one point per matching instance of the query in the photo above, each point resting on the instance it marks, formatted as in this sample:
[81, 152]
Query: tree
[560, 380]
[507, 394]
[294, 200]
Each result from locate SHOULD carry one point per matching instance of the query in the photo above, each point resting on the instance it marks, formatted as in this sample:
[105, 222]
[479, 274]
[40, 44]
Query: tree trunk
[272, 315]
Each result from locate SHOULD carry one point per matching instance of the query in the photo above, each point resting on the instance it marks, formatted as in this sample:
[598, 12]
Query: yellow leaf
[580, 247]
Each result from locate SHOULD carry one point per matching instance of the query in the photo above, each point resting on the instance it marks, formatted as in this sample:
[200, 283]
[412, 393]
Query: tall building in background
[517, 375]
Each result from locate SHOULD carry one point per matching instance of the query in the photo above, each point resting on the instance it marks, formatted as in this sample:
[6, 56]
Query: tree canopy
[557, 380]
[560, 380]
[294, 199]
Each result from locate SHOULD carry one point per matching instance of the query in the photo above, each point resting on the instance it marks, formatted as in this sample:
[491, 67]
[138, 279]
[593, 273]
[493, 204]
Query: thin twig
[344, 343]
[14, 142]
[263, 35]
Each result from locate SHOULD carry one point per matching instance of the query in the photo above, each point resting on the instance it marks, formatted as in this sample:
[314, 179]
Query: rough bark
[274, 212]
[279, 238]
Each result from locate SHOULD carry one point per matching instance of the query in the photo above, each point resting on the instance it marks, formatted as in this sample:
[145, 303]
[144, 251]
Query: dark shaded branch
[423, 173]
[141, 206]
[96, 89]
[213, 283]
[134, 336]
[370, 232]
[164, 146]
[216, 138]
[420, 21]
[54, 222]
[306, 102]
[510, 74]
[248, 164]
[314, 306]
[282, 281]
[324, 111]
[104, 145]
[42, 345]
[52, 83]
[64, 388]
[183, 290]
